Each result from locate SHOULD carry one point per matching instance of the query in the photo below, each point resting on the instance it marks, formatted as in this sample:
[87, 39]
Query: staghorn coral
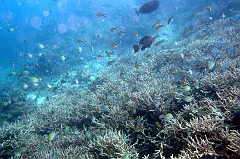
[112, 144]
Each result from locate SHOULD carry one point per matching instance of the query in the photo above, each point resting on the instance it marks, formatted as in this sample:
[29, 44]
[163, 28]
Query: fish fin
[136, 48]
[136, 12]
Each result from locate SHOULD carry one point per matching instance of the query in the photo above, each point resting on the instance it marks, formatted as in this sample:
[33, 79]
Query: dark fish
[145, 42]
[148, 7]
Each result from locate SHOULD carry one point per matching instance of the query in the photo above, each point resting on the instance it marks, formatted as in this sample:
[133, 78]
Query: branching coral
[112, 144]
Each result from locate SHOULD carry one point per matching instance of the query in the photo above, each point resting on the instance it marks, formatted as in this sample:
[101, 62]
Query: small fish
[40, 46]
[209, 8]
[109, 53]
[79, 50]
[12, 74]
[186, 31]
[20, 151]
[24, 86]
[159, 26]
[159, 42]
[187, 99]
[137, 65]
[29, 55]
[98, 36]
[55, 88]
[121, 73]
[186, 88]
[11, 29]
[210, 65]
[204, 35]
[113, 29]
[135, 34]
[4, 104]
[37, 65]
[80, 41]
[63, 81]
[11, 63]
[168, 117]
[23, 73]
[121, 32]
[202, 25]
[223, 15]
[33, 79]
[110, 62]
[155, 24]
[91, 47]
[25, 41]
[158, 124]
[114, 44]
[49, 85]
[51, 136]
[63, 58]
[155, 37]
[100, 15]
[194, 13]
[170, 20]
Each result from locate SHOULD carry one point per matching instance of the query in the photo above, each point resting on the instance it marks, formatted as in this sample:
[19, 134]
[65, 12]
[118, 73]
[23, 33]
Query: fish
[135, 34]
[155, 24]
[186, 88]
[114, 44]
[121, 32]
[109, 53]
[37, 65]
[187, 99]
[63, 58]
[80, 41]
[202, 25]
[23, 73]
[170, 19]
[194, 13]
[168, 117]
[91, 47]
[40, 46]
[100, 15]
[137, 65]
[11, 63]
[145, 42]
[159, 26]
[51, 136]
[113, 29]
[209, 8]
[148, 7]
[79, 50]
[33, 79]
[24, 86]
[187, 30]
[121, 73]
[159, 42]
[12, 74]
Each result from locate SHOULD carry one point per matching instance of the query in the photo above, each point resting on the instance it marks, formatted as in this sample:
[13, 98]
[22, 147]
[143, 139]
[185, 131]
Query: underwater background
[127, 79]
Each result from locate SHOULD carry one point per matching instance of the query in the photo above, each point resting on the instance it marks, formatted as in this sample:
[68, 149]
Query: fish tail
[136, 48]
[136, 12]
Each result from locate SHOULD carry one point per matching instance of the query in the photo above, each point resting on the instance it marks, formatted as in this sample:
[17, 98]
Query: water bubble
[36, 22]
[46, 13]
[62, 28]
[74, 22]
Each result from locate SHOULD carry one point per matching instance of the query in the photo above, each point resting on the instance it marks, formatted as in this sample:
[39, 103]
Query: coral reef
[127, 115]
